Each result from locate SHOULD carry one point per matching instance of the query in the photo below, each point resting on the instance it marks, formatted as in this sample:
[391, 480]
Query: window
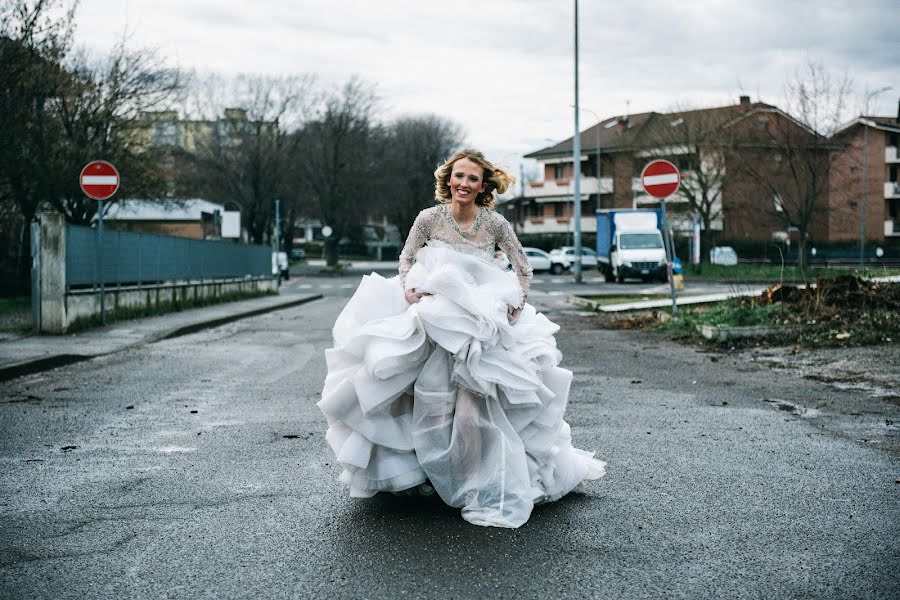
[640, 241]
[558, 209]
[557, 171]
[893, 170]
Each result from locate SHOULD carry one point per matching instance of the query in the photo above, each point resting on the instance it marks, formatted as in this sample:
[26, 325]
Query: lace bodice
[487, 231]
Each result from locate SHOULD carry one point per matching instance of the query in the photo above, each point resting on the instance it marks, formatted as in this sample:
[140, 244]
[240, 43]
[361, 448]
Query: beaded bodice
[488, 231]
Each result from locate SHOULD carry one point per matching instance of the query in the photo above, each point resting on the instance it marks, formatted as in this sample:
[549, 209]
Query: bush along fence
[139, 271]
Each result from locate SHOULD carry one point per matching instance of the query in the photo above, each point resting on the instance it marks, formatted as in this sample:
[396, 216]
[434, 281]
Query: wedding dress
[446, 389]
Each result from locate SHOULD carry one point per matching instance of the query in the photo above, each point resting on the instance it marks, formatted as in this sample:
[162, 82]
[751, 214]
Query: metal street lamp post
[596, 147]
[576, 163]
[865, 184]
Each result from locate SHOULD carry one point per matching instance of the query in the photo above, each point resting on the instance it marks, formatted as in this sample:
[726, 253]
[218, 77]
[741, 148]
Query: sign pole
[670, 253]
[99, 180]
[100, 263]
[277, 242]
[36, 276]
[661, 179]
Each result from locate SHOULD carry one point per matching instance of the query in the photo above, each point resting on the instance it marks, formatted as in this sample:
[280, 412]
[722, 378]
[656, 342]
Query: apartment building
[727, 156]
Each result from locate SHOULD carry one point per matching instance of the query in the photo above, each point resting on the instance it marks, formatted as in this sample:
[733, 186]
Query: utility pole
[277, 238]
[576, 163]
[865, 177]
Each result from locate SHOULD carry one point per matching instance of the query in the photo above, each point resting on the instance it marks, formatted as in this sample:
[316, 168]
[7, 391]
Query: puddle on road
[175, 449]
[794, 409]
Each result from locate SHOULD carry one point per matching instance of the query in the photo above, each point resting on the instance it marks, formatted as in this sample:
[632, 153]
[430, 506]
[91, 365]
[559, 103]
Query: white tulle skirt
[446, 390]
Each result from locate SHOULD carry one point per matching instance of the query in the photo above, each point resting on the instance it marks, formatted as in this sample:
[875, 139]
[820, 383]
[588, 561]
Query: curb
[195, 327]
[37, 365]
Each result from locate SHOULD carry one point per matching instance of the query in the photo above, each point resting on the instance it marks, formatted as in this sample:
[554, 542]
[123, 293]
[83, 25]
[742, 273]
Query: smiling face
[466, 181]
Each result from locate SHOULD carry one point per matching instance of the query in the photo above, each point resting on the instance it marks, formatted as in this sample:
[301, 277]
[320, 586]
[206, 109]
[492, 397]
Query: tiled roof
[647, 129]
[148, 210]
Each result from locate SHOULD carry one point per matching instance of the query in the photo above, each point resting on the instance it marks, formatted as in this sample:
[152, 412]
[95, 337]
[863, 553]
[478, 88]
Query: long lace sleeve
[509, 243]
[418, 234]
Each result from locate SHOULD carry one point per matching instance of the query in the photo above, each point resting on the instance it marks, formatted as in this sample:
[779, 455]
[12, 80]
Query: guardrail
[138, 258]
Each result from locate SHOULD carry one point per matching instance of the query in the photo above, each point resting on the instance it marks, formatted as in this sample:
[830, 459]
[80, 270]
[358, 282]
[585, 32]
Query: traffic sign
[660, 178]
[99, 180]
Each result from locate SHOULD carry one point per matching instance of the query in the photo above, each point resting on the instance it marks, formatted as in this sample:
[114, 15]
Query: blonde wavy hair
[494, 178]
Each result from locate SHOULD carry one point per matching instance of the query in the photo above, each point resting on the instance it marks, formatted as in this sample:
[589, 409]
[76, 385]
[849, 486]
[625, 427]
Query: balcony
[558, 225]
[561, 188]
[891, 189]
[890, 155]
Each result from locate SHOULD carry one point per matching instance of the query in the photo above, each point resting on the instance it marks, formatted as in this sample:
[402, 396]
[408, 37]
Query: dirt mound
[845, 308]
[830, 293]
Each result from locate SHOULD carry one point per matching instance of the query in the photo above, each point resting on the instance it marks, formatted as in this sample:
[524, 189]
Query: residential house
[192, 218]
[725, 187]
[882, 194]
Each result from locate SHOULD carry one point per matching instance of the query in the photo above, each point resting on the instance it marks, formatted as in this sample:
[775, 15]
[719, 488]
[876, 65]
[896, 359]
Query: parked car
[280, 261]
[298, 254]
[723, 255]
[562, 259]
[538, 259]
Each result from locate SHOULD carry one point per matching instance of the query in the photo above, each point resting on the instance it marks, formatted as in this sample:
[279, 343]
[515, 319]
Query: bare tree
[93, 118]
[337, 159]
[414, 147]
[35, 37]
[242, 151]
[700, 141]
[792, 158]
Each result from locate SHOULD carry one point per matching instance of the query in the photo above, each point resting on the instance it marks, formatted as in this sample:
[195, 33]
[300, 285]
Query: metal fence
[139, 258]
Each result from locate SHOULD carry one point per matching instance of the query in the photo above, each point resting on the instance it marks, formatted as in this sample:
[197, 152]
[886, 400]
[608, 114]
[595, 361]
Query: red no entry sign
[99, 180]
[660, 178]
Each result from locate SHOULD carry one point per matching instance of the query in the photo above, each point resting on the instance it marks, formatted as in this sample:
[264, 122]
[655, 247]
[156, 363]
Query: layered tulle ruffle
[447, 390]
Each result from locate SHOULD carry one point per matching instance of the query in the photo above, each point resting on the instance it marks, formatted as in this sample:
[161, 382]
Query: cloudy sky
[504, 69]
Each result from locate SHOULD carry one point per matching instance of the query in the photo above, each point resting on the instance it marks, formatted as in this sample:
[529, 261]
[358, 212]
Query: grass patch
[125, 314]
[734, 312]
[15, 314]
[838, 311]
[747, 273]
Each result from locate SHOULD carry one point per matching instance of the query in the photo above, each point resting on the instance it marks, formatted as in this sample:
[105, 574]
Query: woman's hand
[412, 296]
[513, 315]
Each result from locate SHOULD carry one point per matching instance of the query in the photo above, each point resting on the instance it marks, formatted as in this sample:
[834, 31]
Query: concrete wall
[85, 304]
[60, 308]
[53, 273]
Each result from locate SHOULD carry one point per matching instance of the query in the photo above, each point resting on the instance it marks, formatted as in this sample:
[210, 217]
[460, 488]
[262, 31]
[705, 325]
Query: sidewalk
[35, 353]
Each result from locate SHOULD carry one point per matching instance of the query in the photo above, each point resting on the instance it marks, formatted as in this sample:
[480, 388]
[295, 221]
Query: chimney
[745, 101]
[622, 124]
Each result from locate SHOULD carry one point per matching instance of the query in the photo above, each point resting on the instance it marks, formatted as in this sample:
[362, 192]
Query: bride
[443, 378]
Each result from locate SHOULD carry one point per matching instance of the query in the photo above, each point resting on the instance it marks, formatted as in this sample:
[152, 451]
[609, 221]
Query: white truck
[630, 245]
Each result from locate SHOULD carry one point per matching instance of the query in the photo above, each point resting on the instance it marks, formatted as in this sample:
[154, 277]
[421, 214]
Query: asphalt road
[197, 468]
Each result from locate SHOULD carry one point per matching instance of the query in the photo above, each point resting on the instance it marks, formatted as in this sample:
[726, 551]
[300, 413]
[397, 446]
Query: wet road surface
[197, 467]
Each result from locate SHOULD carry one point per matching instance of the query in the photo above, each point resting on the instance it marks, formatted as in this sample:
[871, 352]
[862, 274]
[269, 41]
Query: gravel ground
[866, 407]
